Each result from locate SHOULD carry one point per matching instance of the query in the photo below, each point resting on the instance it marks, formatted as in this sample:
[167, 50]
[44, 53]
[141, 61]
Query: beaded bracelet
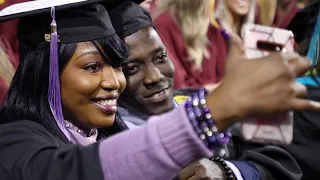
[205, 126]
[228, 172]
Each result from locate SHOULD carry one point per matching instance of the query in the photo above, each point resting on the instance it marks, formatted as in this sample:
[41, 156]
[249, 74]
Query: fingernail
[315, 104]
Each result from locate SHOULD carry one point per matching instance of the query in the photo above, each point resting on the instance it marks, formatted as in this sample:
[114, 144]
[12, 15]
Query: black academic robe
[53, 159]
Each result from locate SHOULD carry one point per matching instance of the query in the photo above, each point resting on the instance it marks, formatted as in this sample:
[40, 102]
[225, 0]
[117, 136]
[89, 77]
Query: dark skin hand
[204, 169]
[252, 87]
[258, 87]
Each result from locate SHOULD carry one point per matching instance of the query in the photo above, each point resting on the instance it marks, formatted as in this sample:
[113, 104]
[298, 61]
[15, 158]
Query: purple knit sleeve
[158, 150]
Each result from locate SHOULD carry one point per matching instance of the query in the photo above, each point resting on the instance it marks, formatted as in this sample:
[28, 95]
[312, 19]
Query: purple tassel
[54, 95]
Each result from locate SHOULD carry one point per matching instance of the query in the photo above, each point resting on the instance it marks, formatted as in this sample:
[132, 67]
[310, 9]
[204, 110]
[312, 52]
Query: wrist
[224, 111]
[228, 174]
[205, 125]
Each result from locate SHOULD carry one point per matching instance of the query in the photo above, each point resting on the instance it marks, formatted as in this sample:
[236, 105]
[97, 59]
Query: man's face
[149, 73]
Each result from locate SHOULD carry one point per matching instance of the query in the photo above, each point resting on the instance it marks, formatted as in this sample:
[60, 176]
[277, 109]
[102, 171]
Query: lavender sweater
[159, 150]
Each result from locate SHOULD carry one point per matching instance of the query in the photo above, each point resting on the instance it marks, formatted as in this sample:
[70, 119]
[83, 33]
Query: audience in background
[7, 68]
[277, 13]
[285, 12]
[266, 12]
[9, 58]
[233, 14]
[196, 48]
[9, 33]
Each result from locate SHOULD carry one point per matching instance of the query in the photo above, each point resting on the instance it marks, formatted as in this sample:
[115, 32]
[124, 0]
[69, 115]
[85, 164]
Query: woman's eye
[94, 67]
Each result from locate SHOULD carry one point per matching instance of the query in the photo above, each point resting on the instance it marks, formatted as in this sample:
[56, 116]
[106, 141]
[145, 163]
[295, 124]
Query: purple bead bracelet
[204, 124]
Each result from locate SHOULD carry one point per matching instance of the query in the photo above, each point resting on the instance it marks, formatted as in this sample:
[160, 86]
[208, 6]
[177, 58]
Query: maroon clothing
[7, 57]
[8, 64]
[186, 75]
[9, 43]
[3, 90]
[285, 12]
[8, 30]
[282, 20]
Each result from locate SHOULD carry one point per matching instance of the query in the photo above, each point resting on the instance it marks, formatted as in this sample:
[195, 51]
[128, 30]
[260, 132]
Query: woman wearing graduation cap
[63, 100]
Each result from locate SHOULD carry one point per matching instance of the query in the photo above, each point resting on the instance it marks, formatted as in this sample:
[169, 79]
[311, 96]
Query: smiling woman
[59, 116]
[90, 101]
[96, 61]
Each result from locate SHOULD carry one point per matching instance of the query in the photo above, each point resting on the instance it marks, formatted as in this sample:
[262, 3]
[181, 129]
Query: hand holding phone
[259, 41]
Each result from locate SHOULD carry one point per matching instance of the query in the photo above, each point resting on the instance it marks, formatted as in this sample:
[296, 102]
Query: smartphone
[259, 41]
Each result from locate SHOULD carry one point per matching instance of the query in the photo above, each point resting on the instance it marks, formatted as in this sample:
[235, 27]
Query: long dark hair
[27, 97]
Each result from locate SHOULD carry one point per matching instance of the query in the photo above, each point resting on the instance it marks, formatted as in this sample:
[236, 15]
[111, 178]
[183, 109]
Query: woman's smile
[107, 105]
[91, 88]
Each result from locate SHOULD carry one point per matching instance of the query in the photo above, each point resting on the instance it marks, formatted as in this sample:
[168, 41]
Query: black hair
[27, 97]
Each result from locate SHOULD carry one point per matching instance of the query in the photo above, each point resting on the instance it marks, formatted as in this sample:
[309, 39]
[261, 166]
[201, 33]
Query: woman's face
[239, 7]
[90, 88]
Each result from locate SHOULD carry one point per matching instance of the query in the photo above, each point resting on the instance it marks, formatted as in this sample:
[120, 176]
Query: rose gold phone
[259, 41]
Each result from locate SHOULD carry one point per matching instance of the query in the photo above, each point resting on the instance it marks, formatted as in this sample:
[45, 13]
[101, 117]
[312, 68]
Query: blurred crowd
[196, 52]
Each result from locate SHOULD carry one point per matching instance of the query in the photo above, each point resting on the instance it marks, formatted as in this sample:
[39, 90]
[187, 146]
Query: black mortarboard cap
[128, 18]
[37, 7]
[77, 21]
[49, 23]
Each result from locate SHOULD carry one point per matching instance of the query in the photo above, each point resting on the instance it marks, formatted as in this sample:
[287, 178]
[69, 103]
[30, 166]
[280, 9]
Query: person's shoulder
[122, 111]
[25, 130]
[22, 124]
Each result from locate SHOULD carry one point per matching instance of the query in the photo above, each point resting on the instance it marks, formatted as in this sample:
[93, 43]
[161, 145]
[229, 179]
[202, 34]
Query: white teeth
[242, 3]
[158, 94]
[111, 102]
